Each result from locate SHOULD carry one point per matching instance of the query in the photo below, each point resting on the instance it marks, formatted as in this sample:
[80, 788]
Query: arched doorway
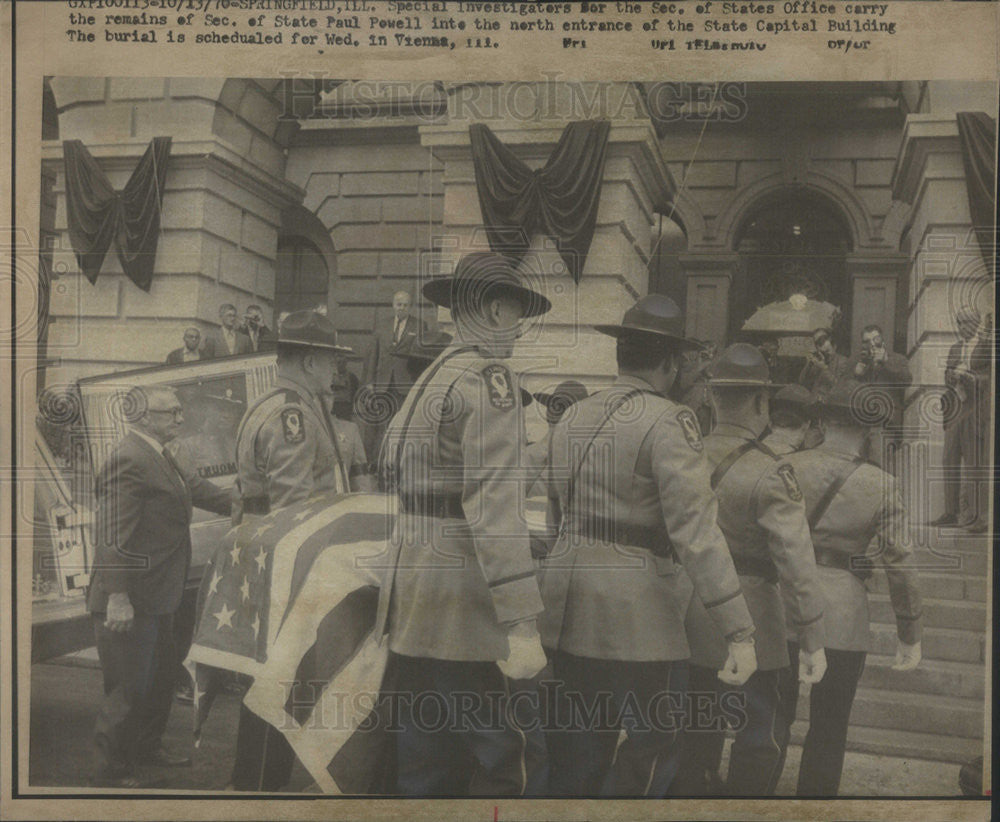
[792, 242]
[301, 277]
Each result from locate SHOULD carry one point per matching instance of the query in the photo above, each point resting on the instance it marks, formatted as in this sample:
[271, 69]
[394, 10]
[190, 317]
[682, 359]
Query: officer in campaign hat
[792, 413]
[858, 522]
[763, 518]
[630, 489]
[286, 451]
[459, 599]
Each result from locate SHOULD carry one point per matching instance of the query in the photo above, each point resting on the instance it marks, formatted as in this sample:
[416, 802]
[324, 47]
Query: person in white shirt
[229, 340]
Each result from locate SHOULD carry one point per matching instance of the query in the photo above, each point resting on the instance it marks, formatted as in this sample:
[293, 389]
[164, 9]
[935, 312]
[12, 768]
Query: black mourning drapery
[977, 134]
[97, 214]
[559, 199]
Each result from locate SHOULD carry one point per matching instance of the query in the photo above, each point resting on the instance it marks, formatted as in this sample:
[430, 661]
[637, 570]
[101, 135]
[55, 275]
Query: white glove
[526, 657]
[812, 666]
[740, 664]
[907, 656]
[120, 614]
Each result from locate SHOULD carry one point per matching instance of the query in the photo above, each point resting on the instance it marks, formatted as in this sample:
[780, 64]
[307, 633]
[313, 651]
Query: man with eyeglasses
[143, 549]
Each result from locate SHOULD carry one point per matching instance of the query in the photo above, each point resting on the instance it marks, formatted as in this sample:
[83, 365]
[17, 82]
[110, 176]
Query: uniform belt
[761, 567]
[649, 537]
[440, 506]
[858, 564]
[256, 505]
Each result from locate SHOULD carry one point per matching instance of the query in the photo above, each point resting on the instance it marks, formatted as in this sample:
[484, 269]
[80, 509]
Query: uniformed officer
[791, 415]
[460, 596]
[858, 522]
[632, 490]
[286, 452]
[763, 518]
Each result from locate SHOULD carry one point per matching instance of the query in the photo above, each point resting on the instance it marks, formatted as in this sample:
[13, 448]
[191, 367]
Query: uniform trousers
[754, 712]
[830, 702]
[464, 729]
[139, 667]
[264, 759]
[591, 702]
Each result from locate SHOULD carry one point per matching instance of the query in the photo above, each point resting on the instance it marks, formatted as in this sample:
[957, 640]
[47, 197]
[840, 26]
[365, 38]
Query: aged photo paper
[497, 410]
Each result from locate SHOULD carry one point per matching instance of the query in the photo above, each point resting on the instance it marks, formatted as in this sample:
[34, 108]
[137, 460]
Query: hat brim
[439, 292]
[340, 349]
[620, 331]
[743, 384]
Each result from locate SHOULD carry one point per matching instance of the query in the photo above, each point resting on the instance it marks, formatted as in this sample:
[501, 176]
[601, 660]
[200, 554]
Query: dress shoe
[944, 519]
[978, 526]
[184, 695]
[165, 759]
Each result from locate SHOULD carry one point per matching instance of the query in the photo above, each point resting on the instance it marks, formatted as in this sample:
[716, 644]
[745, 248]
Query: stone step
[919, 713]
[946, 561]
[905, 744]
[932, 676]
[937, 643]
[939, 585]
[938, 613]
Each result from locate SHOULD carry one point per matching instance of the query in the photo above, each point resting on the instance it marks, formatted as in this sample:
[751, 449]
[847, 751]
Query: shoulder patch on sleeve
[500, 386]
[292, 425]
[689, 425]
[787, 474]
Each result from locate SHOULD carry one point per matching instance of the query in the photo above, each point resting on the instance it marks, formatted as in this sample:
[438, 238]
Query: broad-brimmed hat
[312, 329]
[741, 365]
[864, 405]
[655, 317]
[796, 398]
[567, 393]
[481, 276]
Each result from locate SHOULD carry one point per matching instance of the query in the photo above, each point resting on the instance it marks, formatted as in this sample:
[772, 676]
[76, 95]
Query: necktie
[174, 465]
[395, 331]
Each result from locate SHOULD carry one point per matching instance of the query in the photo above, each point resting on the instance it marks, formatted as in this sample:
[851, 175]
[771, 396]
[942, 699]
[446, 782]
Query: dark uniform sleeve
[892, 541]
[690, 515]
[288, 454]
[782, 515]
[491, 494]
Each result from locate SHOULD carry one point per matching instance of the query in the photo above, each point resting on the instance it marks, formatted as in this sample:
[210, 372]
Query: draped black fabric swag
[98, 214]
[560, 199]
[977, 134]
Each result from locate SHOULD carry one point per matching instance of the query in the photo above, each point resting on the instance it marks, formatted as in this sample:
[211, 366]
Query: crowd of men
[699, 560]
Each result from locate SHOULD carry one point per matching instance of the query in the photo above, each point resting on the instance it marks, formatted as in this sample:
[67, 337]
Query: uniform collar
[295, 385]
[730, 429]
[631, 381]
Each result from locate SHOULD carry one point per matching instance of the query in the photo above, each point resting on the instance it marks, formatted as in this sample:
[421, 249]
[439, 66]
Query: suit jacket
[215, 345]
[176, 357]
[820, 378]
[640, 498]
[385, 370]
[142, 538]
[893, 374]
[267, 340]
[968, 384]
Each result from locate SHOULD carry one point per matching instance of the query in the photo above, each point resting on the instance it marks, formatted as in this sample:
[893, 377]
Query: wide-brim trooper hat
[794, 396]
[741, 366]
[864, 405]
[312, 329]
[481, 276]
[567, 393]
[655, 317]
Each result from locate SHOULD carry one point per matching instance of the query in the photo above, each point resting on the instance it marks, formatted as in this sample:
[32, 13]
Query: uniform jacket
[866, 517]
[893, 374]
[176, 357]
[384, 369]
[215, 345]
[141, 535]
[285, 450]
[460, 571]
[610, 585]
[763, 518]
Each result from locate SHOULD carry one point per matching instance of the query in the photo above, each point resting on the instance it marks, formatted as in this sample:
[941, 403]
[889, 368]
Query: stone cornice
[923, 135]
[877, 265]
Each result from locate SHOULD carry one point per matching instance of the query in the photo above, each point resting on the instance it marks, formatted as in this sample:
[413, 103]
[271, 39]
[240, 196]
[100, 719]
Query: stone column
[221, 213]
[529, 118]
[707, 305]
[946, 271]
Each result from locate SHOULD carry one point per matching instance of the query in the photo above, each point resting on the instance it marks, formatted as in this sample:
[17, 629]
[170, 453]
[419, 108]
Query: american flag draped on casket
[290, 600]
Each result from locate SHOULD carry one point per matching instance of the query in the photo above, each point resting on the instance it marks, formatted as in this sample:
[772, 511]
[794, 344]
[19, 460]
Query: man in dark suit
[261, 337]
[966, 432]
[228, 340]
[143, 550]
[190, 352]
